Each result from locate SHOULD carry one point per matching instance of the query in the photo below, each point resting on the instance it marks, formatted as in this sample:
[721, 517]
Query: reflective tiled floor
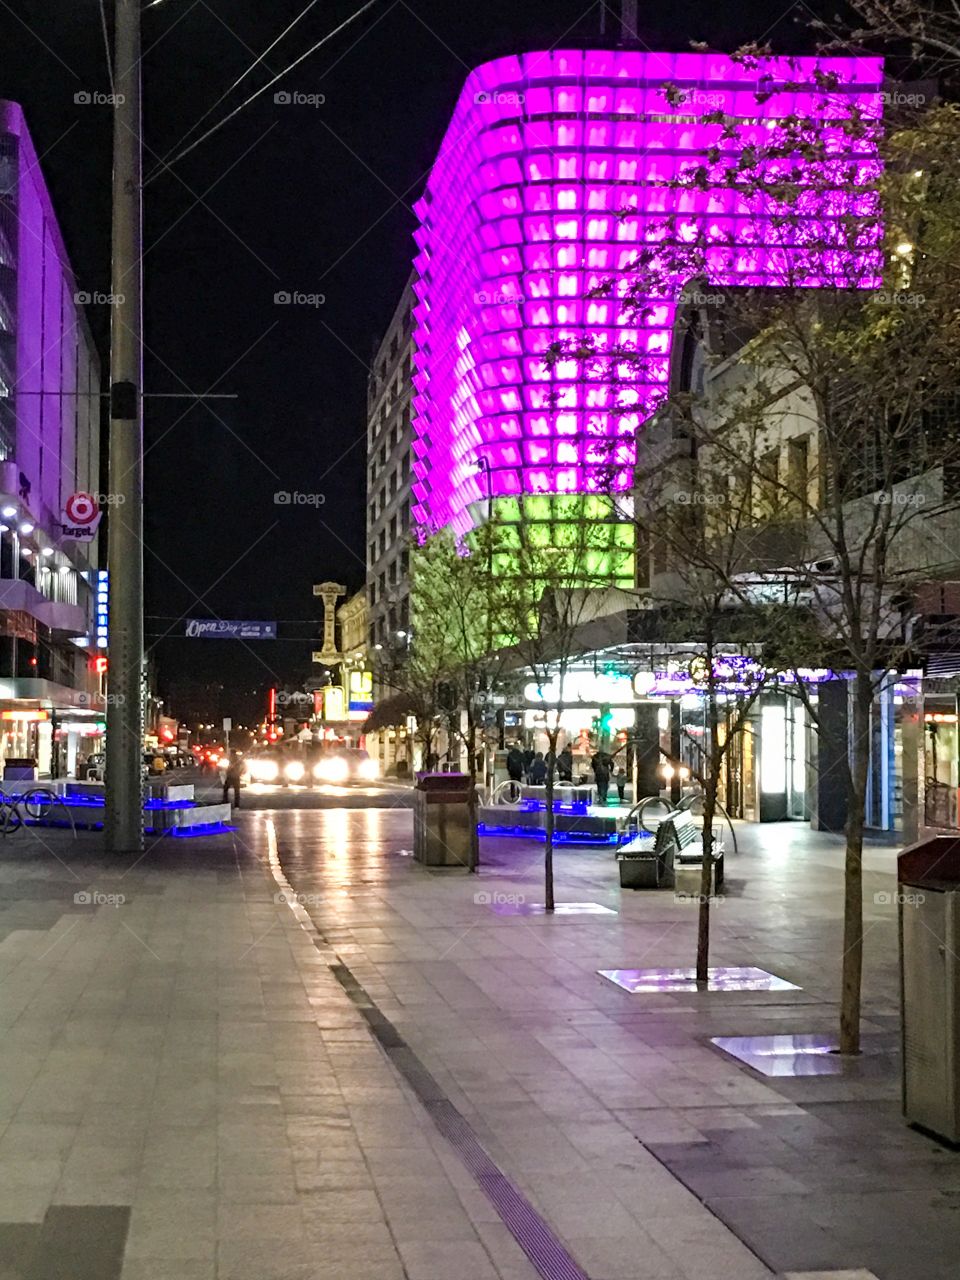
[561, 909]
[728, 978]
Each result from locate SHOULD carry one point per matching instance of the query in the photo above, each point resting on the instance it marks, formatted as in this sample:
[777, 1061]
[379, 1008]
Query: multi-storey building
[557, 168]
[49, 450]
[388, 481]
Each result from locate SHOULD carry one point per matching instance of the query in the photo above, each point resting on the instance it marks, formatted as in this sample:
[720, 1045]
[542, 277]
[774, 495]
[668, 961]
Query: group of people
[526, 765]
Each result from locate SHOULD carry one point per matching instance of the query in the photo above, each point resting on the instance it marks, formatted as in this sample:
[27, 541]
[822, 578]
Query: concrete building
[50, 700]
[389, 434]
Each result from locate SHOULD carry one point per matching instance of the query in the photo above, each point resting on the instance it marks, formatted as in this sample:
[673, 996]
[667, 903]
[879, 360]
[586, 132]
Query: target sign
[81, 515]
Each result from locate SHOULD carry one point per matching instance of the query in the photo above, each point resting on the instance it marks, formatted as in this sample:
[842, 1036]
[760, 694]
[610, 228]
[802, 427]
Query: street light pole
[124, 747]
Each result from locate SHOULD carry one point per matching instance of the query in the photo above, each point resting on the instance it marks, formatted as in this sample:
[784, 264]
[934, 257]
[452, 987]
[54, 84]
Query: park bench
[649, 862]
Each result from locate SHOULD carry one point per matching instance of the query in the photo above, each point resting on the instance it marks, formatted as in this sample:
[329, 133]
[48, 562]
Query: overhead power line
[106, 44]
[240, 79]
[166, 164]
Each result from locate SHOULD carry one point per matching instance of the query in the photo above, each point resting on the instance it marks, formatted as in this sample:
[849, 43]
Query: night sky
[286, 198]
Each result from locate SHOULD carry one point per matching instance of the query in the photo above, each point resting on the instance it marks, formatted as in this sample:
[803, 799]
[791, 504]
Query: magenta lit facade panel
[520, 221]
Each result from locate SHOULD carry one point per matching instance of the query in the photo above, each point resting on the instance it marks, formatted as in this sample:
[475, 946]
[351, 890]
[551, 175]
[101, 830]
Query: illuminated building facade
[49, 450]
[555, 169]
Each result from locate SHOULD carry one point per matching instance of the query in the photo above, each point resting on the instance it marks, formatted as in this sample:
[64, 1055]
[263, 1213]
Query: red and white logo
[81, 515]
[81, 508]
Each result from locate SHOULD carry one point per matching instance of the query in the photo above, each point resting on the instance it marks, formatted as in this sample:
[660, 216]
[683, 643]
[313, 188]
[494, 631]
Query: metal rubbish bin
[928, 907]
[441, 819]
[19, 769]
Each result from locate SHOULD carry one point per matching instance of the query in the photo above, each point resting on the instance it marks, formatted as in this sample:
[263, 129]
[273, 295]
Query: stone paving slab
[614, 1109]
[186, 1060]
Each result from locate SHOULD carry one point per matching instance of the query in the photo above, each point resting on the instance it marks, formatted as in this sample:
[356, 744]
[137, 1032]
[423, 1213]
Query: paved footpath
[293, 1053]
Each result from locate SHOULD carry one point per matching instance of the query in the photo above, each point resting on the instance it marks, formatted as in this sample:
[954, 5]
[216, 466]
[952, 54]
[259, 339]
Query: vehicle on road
[306, 767]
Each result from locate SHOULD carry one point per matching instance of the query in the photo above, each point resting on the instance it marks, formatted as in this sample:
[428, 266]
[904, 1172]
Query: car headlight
[264, 770]
[333, 770]
[368, 769]
[294, 771]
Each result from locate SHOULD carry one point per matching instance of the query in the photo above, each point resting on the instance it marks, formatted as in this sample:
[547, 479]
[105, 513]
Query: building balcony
[63, 619]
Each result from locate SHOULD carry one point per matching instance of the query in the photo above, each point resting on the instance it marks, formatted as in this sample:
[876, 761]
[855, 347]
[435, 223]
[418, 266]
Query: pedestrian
[528, 757]
[515, 763]
[600, 764]
[621, 783]
[232, 779]
[565, 764]
[537, 772]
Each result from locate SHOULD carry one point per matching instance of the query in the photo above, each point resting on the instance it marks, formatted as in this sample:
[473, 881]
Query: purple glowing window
[518, 223]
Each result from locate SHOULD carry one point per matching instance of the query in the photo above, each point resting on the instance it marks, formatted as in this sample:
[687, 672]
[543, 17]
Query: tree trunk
[473, 858]
[549, 827]
[852, 966]
[711, 781]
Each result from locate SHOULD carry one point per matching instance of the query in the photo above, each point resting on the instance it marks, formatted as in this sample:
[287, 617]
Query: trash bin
[441, 820]
[19, 769]
[928, 907]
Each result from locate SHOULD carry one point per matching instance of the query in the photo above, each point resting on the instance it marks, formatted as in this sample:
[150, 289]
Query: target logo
[81, 508]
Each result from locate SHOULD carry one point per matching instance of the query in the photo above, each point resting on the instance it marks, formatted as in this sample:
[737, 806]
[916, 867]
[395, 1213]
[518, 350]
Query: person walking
[528, 757]
[565, 764]
[515, 763]
[537, 771]
[600, 764]
[621, 783]
[233, 779]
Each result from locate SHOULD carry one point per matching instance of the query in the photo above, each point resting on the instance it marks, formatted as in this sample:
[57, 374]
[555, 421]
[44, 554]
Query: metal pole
[124, 812]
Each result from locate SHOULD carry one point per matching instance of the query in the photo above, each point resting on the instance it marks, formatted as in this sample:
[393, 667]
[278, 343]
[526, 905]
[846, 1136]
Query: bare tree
[823, 401]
